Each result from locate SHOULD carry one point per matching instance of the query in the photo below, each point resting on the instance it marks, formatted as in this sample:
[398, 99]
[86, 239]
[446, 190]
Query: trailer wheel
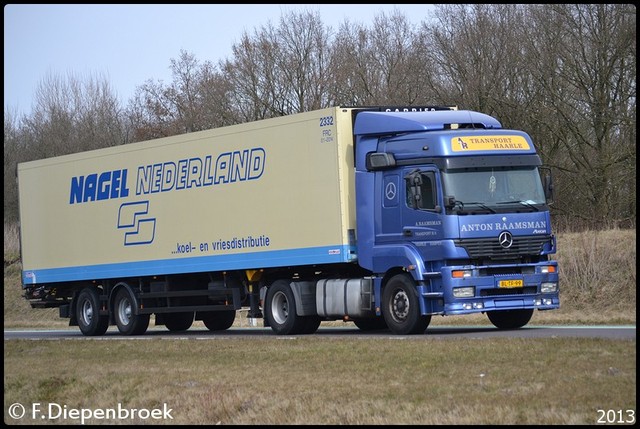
[400, 307]
[128, 322]
[280, 310]
[218, 320]
[178, 321]
[88, 313]
[374, 324]
[510, 319]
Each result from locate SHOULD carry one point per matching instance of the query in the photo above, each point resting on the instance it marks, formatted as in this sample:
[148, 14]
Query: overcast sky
[129, 44]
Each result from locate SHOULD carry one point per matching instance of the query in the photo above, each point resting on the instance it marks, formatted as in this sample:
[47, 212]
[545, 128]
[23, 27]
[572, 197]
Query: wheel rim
[124, 311]
[280, 307]
[400, 306]
[87, 312]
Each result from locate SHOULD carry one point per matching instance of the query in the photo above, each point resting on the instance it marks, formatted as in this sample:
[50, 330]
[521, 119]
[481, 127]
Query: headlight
[549, 287]
[464, 292]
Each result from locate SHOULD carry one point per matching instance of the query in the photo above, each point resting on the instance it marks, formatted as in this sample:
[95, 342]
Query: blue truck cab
[452, 218]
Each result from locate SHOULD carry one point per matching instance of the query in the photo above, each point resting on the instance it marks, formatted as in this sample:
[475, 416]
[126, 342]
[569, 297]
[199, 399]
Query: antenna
[471, 120]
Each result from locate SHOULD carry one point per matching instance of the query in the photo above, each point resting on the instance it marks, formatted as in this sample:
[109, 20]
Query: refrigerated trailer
[380, 216]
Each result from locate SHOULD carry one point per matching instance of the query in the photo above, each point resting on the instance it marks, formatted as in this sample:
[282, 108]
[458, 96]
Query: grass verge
[311, 380]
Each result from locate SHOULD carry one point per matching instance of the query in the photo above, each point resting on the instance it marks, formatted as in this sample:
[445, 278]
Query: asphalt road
[442, 332]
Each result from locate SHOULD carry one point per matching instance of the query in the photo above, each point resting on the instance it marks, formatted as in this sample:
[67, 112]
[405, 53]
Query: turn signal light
[458, 274]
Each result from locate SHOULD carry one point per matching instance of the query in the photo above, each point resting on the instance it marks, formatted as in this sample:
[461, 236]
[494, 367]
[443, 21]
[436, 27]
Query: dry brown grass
[598, 271]
[315, 380]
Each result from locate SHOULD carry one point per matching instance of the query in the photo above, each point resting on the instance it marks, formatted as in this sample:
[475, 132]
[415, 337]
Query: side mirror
[449, 201]
[414, 182]
[380, 160]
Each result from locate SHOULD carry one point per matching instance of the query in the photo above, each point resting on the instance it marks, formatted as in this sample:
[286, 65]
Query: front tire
[373, 324]
[510, 319]
[127, 321]
[90, 322]
[401, 308]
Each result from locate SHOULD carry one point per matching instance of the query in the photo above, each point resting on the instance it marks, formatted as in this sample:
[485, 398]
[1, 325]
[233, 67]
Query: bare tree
[281, 70]
[350, 65]
[382, 65]
[70, 115]
[303, 59]
[74, 114]
[252, 72]
[585, 57]
[157, 110]
[217, 108]
[12, 151]
[477, 56]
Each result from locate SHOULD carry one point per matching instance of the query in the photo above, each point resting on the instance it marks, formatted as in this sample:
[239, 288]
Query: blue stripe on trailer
[239, 261]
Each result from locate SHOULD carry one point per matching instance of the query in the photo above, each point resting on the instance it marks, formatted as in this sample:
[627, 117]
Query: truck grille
[490, 248]
[527, 290]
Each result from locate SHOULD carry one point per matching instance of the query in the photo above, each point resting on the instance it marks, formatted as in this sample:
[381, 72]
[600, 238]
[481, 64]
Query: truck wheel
[178, 321]
[280, 310]
[128, 322]
[510, 319]
[88, 313]
[374, 324]
[218, 320]
[401, 309]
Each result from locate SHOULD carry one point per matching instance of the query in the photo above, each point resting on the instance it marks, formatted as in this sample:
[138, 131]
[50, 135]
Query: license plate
[511, 283]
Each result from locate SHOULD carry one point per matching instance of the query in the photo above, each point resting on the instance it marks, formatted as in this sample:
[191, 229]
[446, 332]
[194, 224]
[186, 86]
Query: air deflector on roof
[379, 123]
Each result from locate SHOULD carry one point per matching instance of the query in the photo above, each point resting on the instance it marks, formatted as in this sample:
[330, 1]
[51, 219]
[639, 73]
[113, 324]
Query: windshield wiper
[484, 206]
[520, 202]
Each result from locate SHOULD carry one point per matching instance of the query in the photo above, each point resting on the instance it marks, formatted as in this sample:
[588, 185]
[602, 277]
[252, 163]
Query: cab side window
[421, 190]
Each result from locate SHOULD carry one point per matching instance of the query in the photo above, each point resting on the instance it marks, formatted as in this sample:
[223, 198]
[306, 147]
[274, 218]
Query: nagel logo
[141, 230]
[96, 187]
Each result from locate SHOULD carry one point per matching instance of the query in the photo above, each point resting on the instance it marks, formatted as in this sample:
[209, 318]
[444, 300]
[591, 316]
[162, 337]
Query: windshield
[494, 187]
